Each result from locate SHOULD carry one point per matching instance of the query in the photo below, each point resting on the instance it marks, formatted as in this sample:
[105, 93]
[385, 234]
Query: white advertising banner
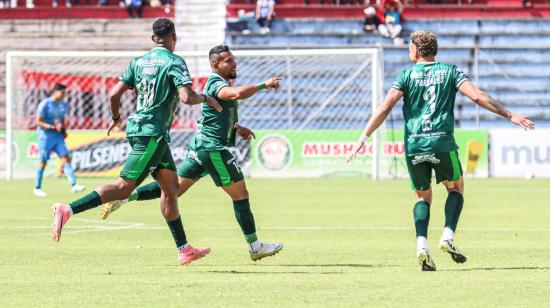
[519, 153]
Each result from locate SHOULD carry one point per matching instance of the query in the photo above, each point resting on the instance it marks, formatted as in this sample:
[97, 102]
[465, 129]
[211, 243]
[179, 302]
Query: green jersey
[216, 130]
[156, 77]
[429, 91]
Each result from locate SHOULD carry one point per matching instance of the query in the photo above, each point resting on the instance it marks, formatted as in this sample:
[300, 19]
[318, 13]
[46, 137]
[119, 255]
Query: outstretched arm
[246, 91]
[376, 120]
[486, 101]
[189, 97]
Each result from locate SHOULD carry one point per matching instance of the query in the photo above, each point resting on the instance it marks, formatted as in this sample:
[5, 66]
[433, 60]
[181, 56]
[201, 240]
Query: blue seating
[513, 66]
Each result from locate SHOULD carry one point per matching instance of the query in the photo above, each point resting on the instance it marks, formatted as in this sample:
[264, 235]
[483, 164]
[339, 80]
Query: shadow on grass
[333, 265]
[342, 265]
[271, 273]
[496, 269]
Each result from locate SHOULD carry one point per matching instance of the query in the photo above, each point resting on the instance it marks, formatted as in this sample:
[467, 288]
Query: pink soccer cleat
[61, 214]
[189, 254]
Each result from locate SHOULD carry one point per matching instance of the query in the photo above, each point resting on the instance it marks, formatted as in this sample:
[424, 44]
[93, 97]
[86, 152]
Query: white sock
[70, 210]
[184, 246]
[421, 243]
[255, 246]
[448, 234]
[124, 201]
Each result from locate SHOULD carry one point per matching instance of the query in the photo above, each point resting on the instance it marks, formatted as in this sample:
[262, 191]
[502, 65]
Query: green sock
[146, 192]
[246, 219]
[176, 227]
[85, 203]
[421, 214]
[453, 208]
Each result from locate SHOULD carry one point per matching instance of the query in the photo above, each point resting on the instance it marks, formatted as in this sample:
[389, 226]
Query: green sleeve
[179, 74]
[459, 77]
[217, 86]
[128, 77]
[400, 82]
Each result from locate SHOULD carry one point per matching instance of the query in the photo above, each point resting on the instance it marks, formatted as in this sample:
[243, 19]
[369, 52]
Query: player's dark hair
[425, 42]
[217, 50]
[58, 87]
[163, 27]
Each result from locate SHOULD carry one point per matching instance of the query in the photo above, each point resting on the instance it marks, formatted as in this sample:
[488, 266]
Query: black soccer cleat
[425, 260]
[450, 247]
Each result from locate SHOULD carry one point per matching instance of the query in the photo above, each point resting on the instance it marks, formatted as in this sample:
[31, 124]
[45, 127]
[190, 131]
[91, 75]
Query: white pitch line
[134, 226]
[310, 229]
[111, 225]
[49, 227]
[108, 222]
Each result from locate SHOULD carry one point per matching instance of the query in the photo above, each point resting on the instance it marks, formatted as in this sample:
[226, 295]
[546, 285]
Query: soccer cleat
[39, 192]
[61, 214]
[449, 246]
[265, 250]
[109, 207]
[425, 260]
[77, 188]
[189, 254]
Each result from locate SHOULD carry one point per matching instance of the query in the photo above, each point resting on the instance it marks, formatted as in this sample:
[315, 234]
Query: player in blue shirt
[50, 132]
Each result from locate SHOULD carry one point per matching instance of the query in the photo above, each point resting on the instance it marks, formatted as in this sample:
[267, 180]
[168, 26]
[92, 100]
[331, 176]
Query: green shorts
[447, 167]
[149, 154]
[221, 165]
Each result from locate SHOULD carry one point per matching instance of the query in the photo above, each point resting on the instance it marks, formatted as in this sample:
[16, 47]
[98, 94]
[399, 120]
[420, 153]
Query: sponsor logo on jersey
[152, 70]
[274, 152]
[425, 158]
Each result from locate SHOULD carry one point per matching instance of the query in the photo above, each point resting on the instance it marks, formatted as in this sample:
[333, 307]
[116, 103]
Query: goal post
[305, 128]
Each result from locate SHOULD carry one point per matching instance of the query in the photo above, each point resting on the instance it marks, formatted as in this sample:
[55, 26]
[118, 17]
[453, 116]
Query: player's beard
[233, 75]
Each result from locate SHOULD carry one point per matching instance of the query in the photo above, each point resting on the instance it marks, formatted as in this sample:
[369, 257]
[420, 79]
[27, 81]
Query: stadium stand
[70, 34]
[80, 9]
[517, 74]
[511, 53]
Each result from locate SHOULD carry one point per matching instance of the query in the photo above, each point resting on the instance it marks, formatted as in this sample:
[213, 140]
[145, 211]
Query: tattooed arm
[488, 102]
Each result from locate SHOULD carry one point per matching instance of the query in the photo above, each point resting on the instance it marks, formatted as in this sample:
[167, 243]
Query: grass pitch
[348, 242]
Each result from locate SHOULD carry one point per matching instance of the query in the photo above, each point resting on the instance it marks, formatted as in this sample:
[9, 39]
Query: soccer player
[208, 153]
[160, 79]
[50, 117]
[428, 89]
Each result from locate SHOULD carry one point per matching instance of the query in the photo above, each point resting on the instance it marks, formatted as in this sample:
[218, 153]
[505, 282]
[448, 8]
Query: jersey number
[429, 96]
[145, 91]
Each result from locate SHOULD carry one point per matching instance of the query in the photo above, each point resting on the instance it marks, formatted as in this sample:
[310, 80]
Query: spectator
[372, 22]
[134, 8]
[265, 10]
[240, 23]
[166, 3]
[55, 3]
[392, 19]
[5, 4]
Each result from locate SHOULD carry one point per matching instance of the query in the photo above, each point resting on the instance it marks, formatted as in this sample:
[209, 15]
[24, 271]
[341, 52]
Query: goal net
[306, 128]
